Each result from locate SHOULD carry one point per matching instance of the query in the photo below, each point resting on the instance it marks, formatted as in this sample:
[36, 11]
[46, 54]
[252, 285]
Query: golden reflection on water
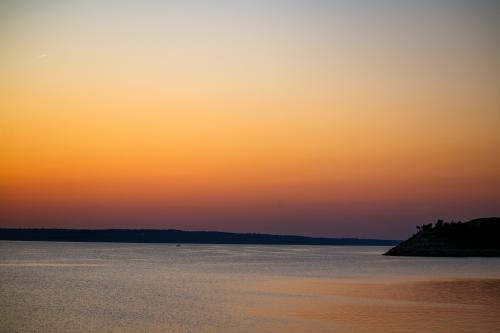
[314, 305]
[72, 287]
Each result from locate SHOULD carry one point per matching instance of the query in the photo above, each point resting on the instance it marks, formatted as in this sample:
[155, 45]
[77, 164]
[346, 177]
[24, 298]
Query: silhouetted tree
[427, 226]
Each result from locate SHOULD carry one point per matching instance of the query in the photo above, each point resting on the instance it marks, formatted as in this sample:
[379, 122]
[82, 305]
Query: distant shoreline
[177, 236]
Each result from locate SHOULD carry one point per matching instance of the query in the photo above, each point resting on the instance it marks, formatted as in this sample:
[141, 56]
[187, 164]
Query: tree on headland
[426, 227]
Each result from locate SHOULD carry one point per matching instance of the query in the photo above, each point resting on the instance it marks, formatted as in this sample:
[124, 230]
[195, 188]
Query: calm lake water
[106, 287]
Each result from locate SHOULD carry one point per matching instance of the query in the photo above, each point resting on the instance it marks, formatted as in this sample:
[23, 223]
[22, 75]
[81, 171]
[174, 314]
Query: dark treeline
[175, 236]
[479, 237]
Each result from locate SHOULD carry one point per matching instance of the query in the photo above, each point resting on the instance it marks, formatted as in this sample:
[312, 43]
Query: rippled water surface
[106, 287]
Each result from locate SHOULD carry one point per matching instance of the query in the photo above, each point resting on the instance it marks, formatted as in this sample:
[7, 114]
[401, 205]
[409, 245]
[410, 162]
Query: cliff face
[476, 238]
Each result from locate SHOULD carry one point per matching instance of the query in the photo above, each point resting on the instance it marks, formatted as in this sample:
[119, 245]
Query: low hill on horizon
[176, 236]
[476, 238]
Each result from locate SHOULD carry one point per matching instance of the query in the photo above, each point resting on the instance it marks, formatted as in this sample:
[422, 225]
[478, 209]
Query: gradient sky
[329, 118]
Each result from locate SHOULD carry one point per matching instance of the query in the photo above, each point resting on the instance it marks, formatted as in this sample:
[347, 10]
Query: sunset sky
[324, 118]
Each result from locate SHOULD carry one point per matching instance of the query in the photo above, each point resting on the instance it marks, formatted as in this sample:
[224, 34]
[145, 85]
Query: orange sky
[319, 118]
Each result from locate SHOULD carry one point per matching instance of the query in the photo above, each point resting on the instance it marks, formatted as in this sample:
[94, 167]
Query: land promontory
[476, 238]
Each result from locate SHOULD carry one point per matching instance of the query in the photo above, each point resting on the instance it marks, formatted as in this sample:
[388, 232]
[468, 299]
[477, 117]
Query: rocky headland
[476, 238]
